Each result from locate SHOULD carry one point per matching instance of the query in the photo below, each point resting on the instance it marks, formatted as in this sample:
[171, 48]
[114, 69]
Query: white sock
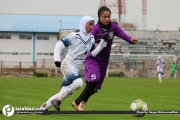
[70, 89]
[159, 76]
[64, 93]
[48, 104]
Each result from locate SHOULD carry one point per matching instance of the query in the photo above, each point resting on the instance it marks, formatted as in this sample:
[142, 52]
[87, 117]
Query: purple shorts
[94, 72]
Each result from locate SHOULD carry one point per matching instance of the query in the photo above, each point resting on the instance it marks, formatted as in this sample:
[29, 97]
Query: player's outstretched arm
[116, 45]
[121, 34]
[99, 47]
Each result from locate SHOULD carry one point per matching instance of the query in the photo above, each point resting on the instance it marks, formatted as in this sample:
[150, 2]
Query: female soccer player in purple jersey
[95, 67]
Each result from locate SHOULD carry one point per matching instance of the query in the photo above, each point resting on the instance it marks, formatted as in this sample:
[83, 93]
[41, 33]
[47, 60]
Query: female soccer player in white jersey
[160, 68]
[80, 43]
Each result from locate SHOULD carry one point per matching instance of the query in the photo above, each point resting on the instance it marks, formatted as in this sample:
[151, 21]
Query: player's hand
[134, 40]
[117, 44]
[58, 64]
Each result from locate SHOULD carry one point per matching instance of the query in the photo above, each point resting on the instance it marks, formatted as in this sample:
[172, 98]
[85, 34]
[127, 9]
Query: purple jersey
[95, 67]
[99, 33]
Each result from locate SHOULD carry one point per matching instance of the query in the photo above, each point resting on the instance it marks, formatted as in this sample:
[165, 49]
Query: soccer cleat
[81, 106]
[56, 104]
[74, 105]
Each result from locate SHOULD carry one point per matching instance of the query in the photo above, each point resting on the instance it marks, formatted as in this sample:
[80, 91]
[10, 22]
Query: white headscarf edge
[83, 22]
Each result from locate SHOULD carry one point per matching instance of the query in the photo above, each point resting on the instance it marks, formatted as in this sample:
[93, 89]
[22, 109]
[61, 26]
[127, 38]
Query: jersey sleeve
[57, 50]
[94, 32]
[120, 33]
[65, 42]
[68, 40]
[98, 49]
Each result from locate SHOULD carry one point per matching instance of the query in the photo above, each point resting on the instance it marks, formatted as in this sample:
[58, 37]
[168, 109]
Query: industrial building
[27, 38]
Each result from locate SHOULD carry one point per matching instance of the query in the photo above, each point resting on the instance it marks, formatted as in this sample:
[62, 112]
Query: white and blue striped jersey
[79, 44]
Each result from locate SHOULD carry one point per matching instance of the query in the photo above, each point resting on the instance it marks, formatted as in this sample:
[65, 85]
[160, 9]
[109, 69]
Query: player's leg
[172, 74]
[72, 82]
[76, 84]
[91, 88]
[48, 104]
[80, 103]
[159, 77]
[92, 77]
[159, 74]
[162, 73]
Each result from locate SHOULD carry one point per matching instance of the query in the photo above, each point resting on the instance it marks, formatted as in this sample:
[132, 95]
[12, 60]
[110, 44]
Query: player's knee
[78, 83]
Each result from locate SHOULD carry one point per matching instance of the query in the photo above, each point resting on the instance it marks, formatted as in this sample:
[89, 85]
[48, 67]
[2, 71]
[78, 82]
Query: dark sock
[79, 99]
[87, 92]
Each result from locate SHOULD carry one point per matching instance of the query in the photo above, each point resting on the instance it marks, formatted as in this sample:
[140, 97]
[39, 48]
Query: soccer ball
[138, 105]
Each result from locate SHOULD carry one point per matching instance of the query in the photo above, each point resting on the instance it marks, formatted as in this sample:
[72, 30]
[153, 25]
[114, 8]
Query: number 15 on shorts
[93, 76]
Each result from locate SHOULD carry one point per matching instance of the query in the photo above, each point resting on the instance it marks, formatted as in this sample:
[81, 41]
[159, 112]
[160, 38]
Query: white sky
[162, 14]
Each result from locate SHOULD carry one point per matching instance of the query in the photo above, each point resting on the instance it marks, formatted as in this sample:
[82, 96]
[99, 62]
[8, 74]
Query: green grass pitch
[116, 94]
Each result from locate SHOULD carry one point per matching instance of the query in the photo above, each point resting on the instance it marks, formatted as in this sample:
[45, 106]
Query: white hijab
[83, 22]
